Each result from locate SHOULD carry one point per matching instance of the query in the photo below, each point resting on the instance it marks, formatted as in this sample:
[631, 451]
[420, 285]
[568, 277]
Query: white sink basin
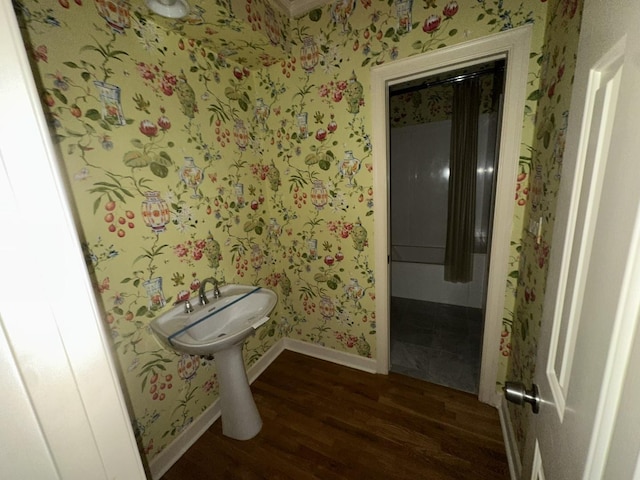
[220, 328]
[223, 322]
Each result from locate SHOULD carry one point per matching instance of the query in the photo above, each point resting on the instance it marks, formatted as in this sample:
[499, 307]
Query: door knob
[517, 393]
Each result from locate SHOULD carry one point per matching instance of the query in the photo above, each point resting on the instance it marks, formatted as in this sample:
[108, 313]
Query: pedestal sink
[220, 328]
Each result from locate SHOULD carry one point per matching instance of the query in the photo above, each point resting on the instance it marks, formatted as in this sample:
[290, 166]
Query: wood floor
[326, 421]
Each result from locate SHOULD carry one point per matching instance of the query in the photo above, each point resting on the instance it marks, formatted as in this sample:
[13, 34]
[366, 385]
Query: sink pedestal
[240, 417]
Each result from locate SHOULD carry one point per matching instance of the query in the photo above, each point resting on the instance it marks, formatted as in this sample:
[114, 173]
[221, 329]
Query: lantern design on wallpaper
[188, 366]
[240, 135]
[155, 212]
[271, 23]
[354, 94]
[341, 10]
[313, 248]
[191, 175]
[537, 186]
[403, 10]
[349, 166]
[115, 13]
[319, 194]
[257, 257]
[303, 127]
[111, 105]
[153, 287]
[239, 188]
[261, 112]
[327, 308]
[353, 290]
[309, 54]
[274, 230]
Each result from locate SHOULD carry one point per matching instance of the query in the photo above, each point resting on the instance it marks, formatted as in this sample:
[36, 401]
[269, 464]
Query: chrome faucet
[201, 293]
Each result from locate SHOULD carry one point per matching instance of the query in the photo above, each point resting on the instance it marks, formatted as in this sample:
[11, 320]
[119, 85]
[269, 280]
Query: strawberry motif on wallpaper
[262, 17]
[300, 223]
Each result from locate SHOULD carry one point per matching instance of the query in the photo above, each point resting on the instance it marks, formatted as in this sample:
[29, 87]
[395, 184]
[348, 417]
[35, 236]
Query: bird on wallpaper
[186, 96]
[341, 11]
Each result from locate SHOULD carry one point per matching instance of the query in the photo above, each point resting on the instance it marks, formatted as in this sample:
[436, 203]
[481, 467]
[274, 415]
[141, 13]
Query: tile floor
[436, 342]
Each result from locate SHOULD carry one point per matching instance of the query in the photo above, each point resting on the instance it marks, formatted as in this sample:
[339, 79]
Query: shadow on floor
[435, 342]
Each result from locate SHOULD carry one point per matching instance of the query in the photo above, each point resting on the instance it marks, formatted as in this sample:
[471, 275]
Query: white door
[63, 413]
[593, 290]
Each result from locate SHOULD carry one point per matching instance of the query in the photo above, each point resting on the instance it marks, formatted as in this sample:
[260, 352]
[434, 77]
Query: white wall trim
[255, 370]
[162, 462]
[330, 355]
[510, 443]
[514, 45]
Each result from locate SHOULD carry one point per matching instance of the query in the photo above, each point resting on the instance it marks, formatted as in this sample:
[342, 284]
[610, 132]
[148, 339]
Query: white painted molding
[162, 462]
[330, 355]
[514, 46]
[510, 443]
[255, 370]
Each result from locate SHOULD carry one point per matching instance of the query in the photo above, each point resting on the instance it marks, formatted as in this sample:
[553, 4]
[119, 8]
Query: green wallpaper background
[236, 144]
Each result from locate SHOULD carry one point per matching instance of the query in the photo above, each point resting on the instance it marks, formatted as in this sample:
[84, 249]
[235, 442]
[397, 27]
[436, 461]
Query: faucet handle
[188, 308]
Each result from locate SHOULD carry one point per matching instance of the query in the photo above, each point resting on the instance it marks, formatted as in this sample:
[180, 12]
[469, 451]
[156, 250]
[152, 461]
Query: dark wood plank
[325, 421]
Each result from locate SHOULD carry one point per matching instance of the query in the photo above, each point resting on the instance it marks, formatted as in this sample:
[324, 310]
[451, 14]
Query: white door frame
[514, 46]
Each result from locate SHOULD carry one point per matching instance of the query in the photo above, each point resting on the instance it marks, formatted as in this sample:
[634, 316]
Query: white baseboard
[330, 355]
[172, 453]
[508, 433]
[255, 370]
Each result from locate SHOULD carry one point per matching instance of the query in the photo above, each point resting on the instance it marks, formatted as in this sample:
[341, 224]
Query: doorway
[512, 46]
[436, 318]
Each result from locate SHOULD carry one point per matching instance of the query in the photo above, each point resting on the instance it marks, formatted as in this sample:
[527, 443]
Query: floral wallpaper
[434, 103]
[236, 144]
[554, 96]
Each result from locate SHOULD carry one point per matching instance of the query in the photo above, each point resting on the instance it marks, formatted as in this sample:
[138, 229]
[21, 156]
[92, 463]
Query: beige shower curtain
[458, 262]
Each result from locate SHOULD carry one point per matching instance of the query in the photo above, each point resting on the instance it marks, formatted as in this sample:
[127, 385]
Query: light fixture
[169, 8]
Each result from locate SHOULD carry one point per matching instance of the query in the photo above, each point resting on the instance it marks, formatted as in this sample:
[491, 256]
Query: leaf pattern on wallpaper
[274, 114]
